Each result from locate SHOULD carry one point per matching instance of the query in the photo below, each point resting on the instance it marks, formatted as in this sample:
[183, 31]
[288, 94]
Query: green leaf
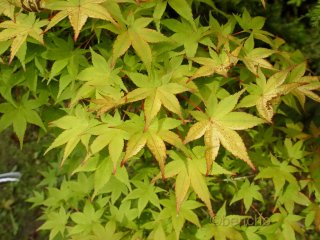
[102, 175]
[56, 222]
[182, 8]
[247, 192]
[144, 193]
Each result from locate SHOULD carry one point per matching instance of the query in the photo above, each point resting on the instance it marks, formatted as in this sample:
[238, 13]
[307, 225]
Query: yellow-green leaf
[78, 11]
[181, 187]
[134, 145]
[212, 144]
[196, 131]
[233, 143]
[199, 184]
[158, 149]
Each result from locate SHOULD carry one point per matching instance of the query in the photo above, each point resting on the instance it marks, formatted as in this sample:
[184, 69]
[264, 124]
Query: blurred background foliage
[296, 21]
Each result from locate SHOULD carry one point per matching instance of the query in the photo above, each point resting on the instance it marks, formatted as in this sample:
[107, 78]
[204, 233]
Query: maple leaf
[144, 193]
[223, 32]
[254, 58]
[223, 226]
[217, 63]
[75, 128]
[218, 125]
[56, 222]
[247, 192]
[266, 92]
[179, 218]
[108, 134]
[310, 84]
[7, 8]
[19, 114]
[280, 172]
[64, 55]
[188, 35]
[102, 80]
[157, 89]
[154, 137]
[19, 29]
[189, 172]
[78, 11]
[138, 36]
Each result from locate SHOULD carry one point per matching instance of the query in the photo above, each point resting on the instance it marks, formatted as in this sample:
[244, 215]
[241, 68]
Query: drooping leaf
[19, 29]
[78, 11]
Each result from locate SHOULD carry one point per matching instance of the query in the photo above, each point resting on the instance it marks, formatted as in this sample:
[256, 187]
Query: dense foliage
[169, 119]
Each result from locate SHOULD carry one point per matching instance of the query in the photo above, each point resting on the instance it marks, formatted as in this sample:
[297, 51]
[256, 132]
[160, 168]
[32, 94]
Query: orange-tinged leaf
[196, 131]
[212, 144]
[199, 184]
[78, 11]
[233, 143]
[134, 145]
[181, 187]
[158, 149]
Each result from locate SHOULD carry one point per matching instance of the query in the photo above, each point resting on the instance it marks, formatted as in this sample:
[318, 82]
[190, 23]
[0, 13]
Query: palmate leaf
[189, 172]
[223, 227]
[102, 81]
[217, 63]
[154, 137]
[266, 92]
[185, 34]
[178, 219]
[56, 222]
[19, 115]
[183, 9]
[7, 8]
[78, 11]
[19, 29]
[247, 192]
[280, 172]
[158, 90]
[218, 126]
[255, 58]
[310, 84]
[144, 192]
[76, 129]
[137, 35]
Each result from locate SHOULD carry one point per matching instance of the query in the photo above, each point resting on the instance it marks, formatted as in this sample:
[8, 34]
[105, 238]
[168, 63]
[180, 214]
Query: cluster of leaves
[299, 23]
[172, 124]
